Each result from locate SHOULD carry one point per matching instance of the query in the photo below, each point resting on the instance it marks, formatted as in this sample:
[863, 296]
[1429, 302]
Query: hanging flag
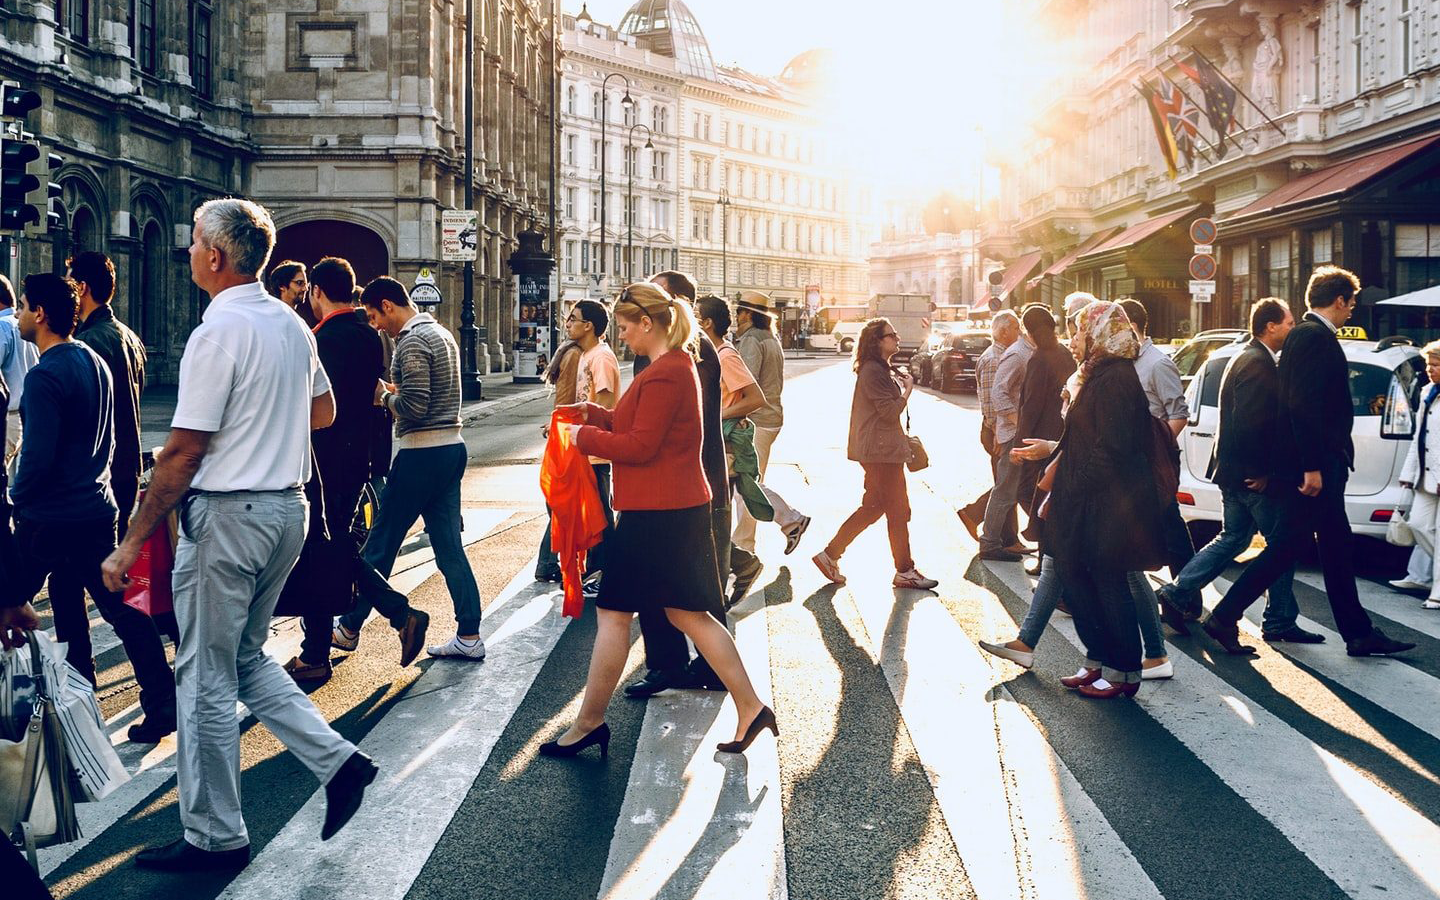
[1219, 96]
[1162, 127]
[1181, 115]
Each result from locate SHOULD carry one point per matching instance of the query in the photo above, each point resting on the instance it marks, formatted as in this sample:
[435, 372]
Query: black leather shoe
[1001, 555]
[1295, 635]
[655, 681]
[1376, 644]
[1227, 635]
[344, 792]
[1170, 612]
[151, 729]
[182, 856]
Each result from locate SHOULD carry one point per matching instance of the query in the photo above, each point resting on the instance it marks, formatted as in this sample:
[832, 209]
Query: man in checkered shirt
[1004, 331]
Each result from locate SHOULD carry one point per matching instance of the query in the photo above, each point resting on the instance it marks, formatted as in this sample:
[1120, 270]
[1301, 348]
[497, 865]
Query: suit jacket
[353, 358]
[1250, 421]
[124, 355]
[1045, 376]
[1315, 393]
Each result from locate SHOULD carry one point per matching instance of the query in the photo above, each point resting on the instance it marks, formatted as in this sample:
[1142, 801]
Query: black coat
[1315, 394]
[1045, 376]
[1250, 427]
[353, 358]
[124, 354]
[1104, 511]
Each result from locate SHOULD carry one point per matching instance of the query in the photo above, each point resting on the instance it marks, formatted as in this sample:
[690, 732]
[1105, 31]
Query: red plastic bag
[577, 519]
[149, 589]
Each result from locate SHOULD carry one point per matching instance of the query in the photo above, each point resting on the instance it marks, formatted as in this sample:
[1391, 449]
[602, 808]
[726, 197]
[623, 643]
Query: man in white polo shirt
[251, 390]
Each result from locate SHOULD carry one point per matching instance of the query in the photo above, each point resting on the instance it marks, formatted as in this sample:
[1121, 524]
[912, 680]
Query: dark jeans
[1179, 550]
[665, 645]
[1104, 614]
[1301, 518]
[21, 882]
[74, 552]
[548, 564]
[1010, 535]
[885, 495]
[423, 483]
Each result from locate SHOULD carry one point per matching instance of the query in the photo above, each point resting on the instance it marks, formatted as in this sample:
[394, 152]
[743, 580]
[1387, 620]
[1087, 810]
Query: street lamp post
[471, 387]
[631, 159]
[724, 204]
[604, 118]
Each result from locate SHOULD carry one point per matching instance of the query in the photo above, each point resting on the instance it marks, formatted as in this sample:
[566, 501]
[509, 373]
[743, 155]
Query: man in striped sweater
[424, 397]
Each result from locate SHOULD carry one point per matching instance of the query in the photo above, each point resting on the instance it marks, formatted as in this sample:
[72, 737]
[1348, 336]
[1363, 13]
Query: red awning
[1015, 273]
[1139, 232]
[1335, 179]
[1085, 246]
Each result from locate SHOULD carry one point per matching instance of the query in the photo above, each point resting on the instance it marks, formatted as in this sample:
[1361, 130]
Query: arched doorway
[309, 242]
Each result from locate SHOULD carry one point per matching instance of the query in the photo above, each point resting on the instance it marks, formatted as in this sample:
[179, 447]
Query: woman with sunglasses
[878, 444]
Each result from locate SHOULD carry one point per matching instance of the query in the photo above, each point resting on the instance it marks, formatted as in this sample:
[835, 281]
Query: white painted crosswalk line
[1390, 684]
[429, 746]
[1011, 804]
[1368, 841]
[696, 823]
[1380, 600]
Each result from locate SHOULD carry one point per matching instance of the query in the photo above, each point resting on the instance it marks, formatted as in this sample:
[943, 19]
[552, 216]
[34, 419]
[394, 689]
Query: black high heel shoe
[764, 719]
[599, 736]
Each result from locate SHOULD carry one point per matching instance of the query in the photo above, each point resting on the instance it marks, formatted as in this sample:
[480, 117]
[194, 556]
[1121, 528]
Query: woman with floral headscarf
[1103, 518]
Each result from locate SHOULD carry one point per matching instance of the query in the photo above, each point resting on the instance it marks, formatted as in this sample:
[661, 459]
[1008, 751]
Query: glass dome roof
[669, 28]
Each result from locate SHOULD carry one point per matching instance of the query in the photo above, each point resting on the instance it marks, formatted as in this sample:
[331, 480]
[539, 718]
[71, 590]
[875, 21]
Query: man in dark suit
[1314, 456]
[1243, 466]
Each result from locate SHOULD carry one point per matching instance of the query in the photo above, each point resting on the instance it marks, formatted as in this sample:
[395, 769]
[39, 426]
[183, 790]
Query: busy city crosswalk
[908, 763]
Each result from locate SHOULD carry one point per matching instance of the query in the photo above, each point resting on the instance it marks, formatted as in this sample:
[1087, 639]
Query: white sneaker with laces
[341, 639]
[828, 567]
[913, 579]
[459, 649]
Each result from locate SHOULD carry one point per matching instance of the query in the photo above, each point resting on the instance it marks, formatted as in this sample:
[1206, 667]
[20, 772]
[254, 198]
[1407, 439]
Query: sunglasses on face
[889, 334]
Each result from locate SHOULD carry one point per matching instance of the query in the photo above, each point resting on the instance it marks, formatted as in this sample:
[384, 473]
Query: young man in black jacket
[1314, 456]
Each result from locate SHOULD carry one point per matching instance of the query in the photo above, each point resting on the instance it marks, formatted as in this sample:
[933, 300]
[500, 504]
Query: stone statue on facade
[1265, 71]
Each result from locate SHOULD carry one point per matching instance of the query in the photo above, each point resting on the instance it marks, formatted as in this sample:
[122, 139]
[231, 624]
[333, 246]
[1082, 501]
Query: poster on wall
[532, 327]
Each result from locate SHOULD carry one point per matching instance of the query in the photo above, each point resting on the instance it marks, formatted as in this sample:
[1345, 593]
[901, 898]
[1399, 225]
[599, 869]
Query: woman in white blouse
[1422, 471]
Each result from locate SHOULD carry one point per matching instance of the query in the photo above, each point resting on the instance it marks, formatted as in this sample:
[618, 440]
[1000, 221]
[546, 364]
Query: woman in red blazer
[662, 553]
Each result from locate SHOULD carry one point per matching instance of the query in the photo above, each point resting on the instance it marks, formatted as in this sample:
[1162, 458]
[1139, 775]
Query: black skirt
[661, 558]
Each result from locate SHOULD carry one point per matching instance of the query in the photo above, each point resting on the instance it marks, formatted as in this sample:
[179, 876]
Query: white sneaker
[1018, 657]
[1405, 584]
[913, 579]
[1430, 603]
[341, 639]
[459, 649]
[828, 567]
[1156, 673]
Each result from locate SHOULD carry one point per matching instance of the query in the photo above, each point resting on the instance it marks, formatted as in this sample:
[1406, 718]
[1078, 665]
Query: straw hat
[755, 301]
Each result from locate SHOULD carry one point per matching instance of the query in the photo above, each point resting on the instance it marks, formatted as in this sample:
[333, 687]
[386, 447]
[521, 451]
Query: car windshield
[1369, 384]
[969, 343]
[1189, 358]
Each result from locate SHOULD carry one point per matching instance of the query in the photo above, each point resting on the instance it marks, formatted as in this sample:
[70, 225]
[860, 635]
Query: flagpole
[1240, 92]
[1198, 106]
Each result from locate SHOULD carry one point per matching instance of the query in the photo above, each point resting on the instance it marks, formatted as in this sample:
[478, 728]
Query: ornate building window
[74, 15]
[200, 71]
[570, 93]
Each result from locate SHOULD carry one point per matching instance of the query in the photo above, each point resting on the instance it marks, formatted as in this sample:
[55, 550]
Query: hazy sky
[921, 76]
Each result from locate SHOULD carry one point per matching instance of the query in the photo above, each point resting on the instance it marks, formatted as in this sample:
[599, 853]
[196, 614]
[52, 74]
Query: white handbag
[1398, 532]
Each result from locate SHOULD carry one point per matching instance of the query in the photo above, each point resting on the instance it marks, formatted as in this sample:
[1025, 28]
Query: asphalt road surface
[909, 764]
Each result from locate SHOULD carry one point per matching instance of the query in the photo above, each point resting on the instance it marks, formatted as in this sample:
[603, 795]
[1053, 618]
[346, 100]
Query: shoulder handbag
[919, 459]
[37, 806]
[1164, 460]
[1399, 532]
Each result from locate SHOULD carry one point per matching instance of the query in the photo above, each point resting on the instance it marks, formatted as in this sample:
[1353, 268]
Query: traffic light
[17, 183]
[25, 167]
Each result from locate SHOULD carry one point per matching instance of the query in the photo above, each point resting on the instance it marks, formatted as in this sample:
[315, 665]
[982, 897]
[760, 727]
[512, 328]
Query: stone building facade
[344, 117]
[1337, 168]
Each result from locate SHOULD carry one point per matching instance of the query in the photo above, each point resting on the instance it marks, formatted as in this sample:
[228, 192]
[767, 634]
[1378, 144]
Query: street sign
[425, 293]
[1207, 249]
[458, 231]
[1202, 286]
[1202, 268]
[1203, 231]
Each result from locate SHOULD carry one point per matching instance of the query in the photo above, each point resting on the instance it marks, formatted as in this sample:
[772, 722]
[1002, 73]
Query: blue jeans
[1243, 513]
[423, 483]
[1048, 592]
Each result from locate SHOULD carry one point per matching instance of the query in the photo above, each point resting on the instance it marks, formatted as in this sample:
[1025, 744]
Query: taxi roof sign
[1352, 333]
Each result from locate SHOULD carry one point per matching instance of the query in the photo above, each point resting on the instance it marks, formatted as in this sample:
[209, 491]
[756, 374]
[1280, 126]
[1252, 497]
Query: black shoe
[600, 736]
[655, 681]
[1170, 612]
[1227, 635]
[551, 576]
[345, 791]
[764, 719]
[151, 729]
[412, 636]
[182, 856]
[1001, 555]
[700, 677]
[1376, 644]
[745, 574]
[1295, 635]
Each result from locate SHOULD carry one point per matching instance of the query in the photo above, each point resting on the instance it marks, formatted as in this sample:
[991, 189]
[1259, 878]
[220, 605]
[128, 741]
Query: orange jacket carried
[577, 519]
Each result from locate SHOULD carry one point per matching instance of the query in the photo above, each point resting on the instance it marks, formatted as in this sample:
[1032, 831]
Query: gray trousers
[1003, 496]
[235, 552]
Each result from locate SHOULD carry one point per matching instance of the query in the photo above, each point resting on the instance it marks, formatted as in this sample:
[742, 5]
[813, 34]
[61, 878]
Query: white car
[1386, 379]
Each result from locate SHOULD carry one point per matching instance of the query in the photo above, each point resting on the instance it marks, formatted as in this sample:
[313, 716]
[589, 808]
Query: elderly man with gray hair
[1004, 330]
[1005, 408]
[251, 390]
